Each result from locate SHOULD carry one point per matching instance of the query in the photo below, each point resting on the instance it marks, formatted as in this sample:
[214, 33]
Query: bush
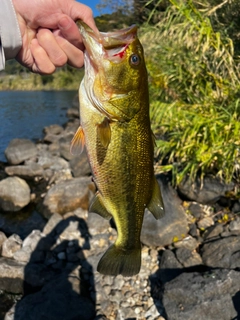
[194, 91]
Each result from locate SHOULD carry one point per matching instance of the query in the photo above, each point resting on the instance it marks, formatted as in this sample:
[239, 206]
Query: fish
[116, 132]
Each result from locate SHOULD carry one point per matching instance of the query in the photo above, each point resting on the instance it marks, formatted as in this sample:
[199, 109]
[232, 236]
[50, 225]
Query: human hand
[50, 37]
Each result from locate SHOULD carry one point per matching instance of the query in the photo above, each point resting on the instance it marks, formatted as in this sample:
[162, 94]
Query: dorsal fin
[78, 142]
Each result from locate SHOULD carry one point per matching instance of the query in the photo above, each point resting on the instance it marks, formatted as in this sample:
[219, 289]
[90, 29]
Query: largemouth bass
[115, 128]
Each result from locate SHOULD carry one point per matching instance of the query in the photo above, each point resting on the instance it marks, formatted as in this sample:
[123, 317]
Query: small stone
[234, 226]
[2, 239]
[189, 243]
[23, 255]
[205, 223]
[14, 194]
[54, 220]
[213, 231]
[61, 256]
[11, 245]
[29, 171]
[19, 150]
[33, 239]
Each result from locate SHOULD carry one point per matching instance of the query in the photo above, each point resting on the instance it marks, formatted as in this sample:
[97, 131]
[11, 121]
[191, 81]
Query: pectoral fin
[155, 205]
[97, 206]
[78, 142]
[104, 132]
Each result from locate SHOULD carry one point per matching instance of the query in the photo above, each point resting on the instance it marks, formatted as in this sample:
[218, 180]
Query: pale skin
[50, 37]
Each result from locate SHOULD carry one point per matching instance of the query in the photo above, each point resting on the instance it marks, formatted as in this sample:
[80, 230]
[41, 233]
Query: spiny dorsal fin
[104, 132]
[78, 142]
[97, 206]
[155, 205]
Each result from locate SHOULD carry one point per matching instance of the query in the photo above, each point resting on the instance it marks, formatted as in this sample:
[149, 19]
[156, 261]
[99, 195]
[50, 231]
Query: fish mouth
[110, 45]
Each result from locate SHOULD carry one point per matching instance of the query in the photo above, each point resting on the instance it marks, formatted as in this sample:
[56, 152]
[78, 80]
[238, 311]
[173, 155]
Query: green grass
[194, 90]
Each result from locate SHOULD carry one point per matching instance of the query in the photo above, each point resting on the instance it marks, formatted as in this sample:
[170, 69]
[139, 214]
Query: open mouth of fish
[108, 45]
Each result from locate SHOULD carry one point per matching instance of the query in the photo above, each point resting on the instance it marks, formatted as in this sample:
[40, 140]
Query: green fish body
[115, 128]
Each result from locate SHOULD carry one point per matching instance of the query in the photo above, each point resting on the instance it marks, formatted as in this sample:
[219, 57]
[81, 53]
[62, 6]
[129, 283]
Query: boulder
[14, 194]
[19, 150]
[210, 190]
[67, 196]
[207, 295]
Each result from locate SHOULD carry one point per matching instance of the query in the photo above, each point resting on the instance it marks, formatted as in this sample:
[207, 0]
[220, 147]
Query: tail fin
[118, 261]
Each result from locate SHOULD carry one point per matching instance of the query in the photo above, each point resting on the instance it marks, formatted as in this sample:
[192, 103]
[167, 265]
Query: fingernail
[64, 23]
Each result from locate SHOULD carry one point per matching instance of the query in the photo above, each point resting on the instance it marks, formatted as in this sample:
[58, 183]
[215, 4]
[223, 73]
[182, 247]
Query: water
[24, 114]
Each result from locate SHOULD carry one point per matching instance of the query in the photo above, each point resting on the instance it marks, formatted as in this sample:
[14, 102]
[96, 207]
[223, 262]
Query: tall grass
[194, 89]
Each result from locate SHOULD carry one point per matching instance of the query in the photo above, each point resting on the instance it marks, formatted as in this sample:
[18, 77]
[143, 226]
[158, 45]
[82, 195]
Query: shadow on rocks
[197, 292]
[58, 280]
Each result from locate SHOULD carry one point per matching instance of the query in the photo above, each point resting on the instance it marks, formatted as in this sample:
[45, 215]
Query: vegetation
[194, 88]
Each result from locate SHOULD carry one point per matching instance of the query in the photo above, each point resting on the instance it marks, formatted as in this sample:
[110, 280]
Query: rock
[208, 191]
[2, 239]
[60, 175]
[213, 231]
[209, 295]
[54, 129]
[14, 194]
[65, 145]
[189, 243]
[19, 150]
[11, 245]
[54, 220]
[170, 267]
[172, 226]
[47, 161]
[61, 298]
[188, 258]
[23, 254]
[234, 226]
[11, 275]
[67, 196]
[73, 113]
[205, 223]
[222, 253]
[33, 239]
[80, 165]
[29, 171]
[97, 224]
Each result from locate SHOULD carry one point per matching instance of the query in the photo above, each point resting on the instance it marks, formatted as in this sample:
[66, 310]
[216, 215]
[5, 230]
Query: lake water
[24, 114]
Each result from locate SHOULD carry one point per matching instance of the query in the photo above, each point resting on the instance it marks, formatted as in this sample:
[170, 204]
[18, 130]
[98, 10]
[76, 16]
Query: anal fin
[97, 206]
[155, 206]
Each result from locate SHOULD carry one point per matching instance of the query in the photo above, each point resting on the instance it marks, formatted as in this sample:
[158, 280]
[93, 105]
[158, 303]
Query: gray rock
[221, 253]
[205, 223]
[213, 231]
[11, 275]
[65, 145]
[33, 239]
[174, 223]
[80, 165]
[97, 224]
[14, 194]
[234, 226]
[29, 171]
[170, 267]
[47, 161]
[61, 298]
[55, 129]
[208, 191]
[2, 239]
[19, 150]
[188, 258]
[23, 254]
[73, 113]
[206, 296]
[189, 243]
[11, 245]
[52, 223]
[67, 196]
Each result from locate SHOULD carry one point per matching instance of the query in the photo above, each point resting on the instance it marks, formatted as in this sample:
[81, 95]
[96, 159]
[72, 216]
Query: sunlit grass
[194, 91]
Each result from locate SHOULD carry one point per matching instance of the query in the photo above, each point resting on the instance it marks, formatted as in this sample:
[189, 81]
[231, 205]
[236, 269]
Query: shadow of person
[236, 303]
[56, 284]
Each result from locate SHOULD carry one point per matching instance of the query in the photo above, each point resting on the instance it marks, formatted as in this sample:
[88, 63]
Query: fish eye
[134, 59]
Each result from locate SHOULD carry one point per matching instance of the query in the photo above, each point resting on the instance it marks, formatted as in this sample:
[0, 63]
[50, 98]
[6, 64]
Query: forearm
[10, 36]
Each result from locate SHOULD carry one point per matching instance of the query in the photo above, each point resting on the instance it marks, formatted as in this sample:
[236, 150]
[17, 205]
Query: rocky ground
[50, 245]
